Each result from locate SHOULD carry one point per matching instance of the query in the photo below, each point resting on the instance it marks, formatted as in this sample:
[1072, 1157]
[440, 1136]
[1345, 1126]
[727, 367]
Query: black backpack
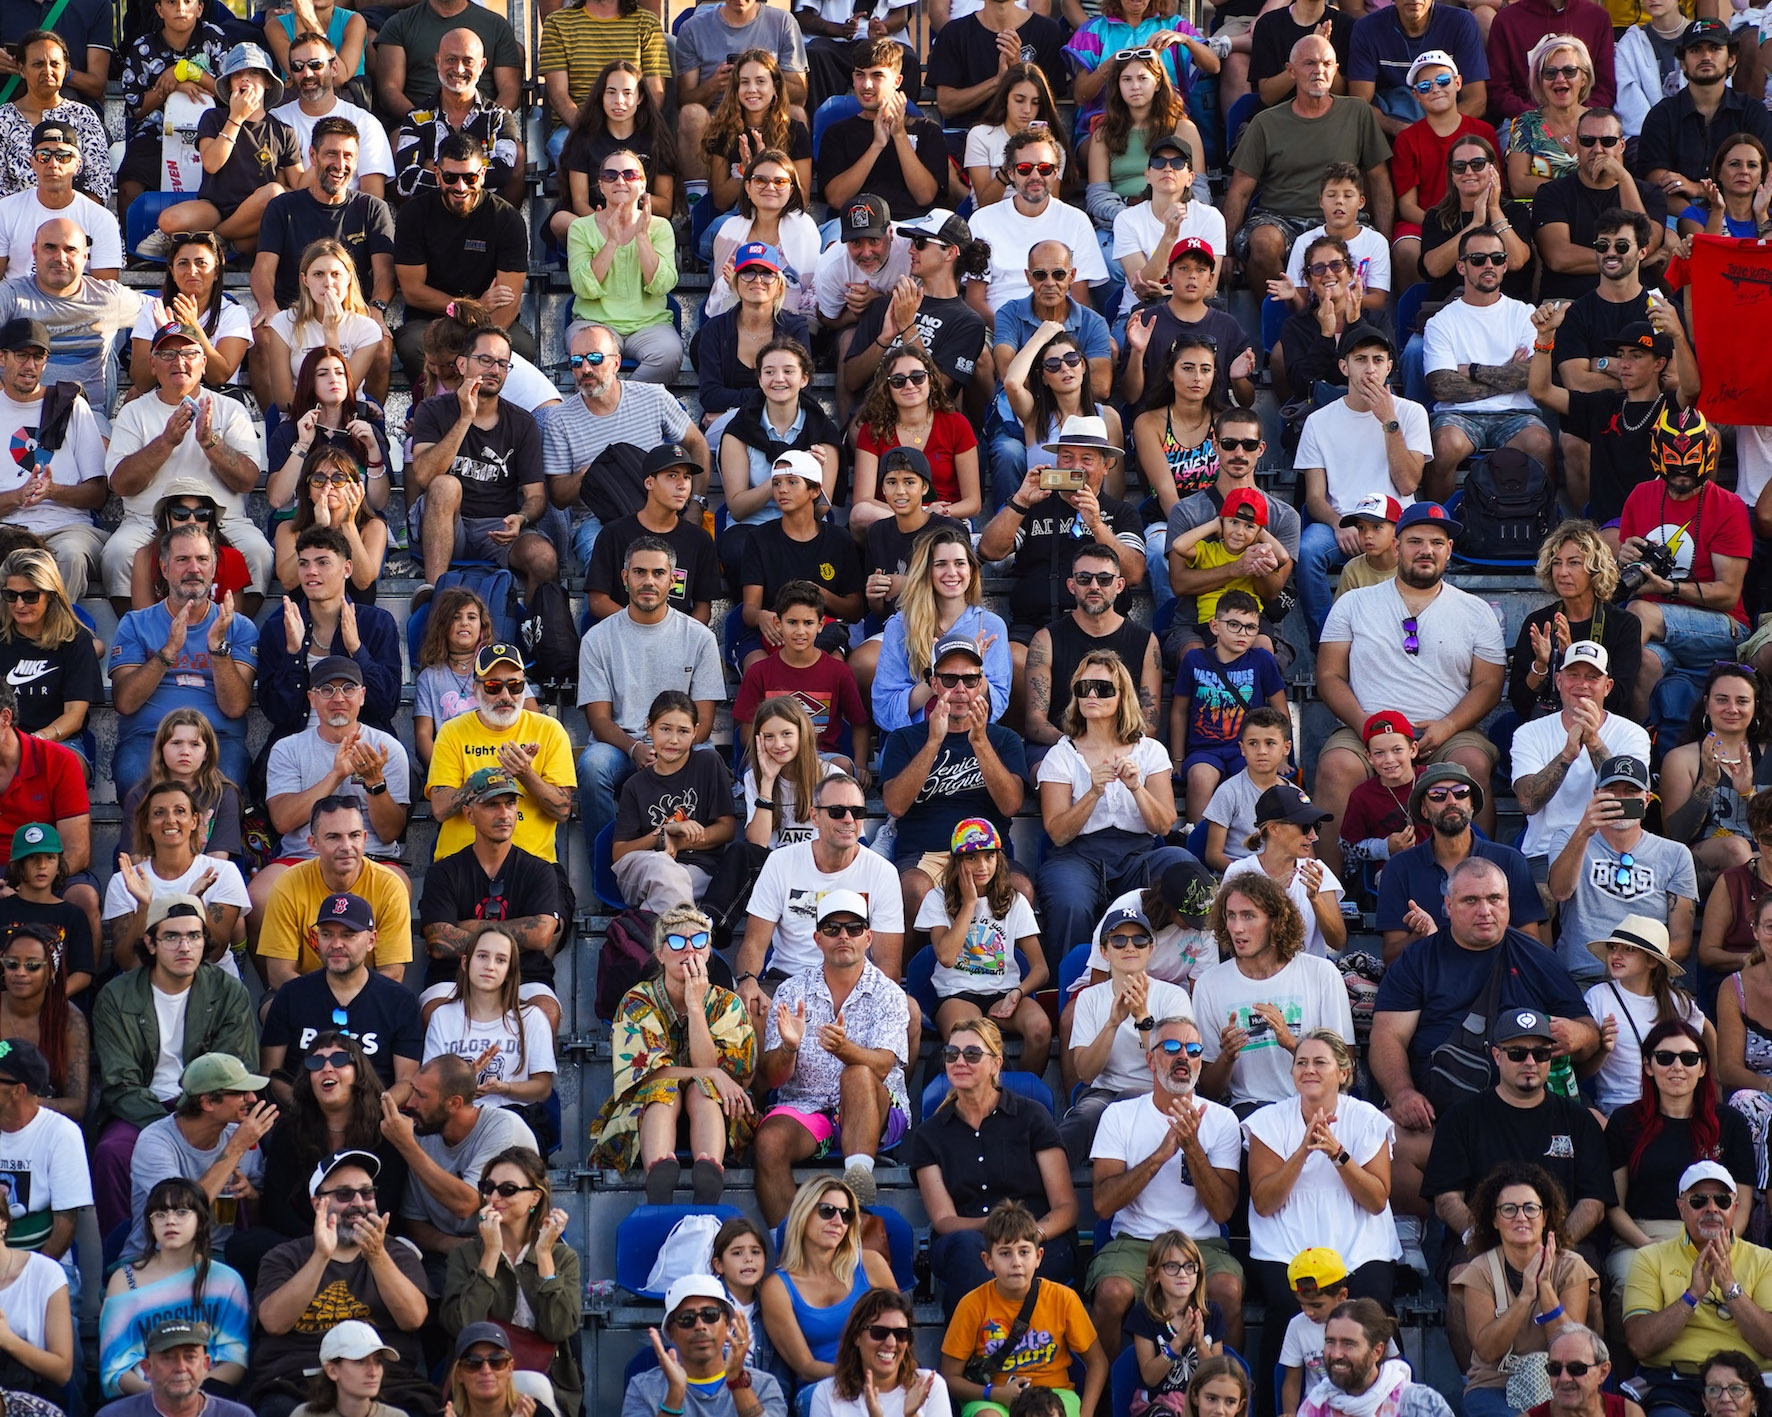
[550, 645]
[1509, 507]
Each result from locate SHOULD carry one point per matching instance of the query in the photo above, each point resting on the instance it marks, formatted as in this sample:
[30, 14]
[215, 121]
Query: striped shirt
[582, 44]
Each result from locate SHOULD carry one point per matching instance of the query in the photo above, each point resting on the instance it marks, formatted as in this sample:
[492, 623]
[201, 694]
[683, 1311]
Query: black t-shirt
[1271, 41]
[953, 333]
[1559, 1134]
[457, 888]
[846, 142]
[1617, 436]
[461, 255]
[1217, 326]
[67, 921]
[47, 680]
[294, 220]
[1140, 1324]
[262, 149]
[1655, 1183]
[1435, 233]
[889, 549]
[954, 790]
[1565, 199]
[492, 464]
[997, 1162]
[699, 791]
[965, 53]
[1621, 636]
[590, 156]
[1590, 323]
[830, 561]
[698, 568]
[1049, 534]
[383, 1018]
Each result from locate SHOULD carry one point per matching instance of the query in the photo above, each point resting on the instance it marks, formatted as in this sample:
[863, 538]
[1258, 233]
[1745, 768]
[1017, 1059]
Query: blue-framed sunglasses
[1173, 1046]
[698, 941]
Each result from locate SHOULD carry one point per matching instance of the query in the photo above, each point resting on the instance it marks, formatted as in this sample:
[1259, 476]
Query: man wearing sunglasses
[1031, 212]
[704, 1352]
[1681, 134]
[313, 95]
[56, 161]
[1567, 213]
[349, 1265]
[1384, 48]
[460, 108]
[1610, 868]
[1578, 1364]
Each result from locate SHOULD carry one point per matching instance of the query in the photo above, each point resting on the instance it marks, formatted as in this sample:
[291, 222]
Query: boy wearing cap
[1378, 822]
[1419, 152]
[669, 473]
[1318, 1278]
[1240, 525]
[1374, 521]
[797, 546]
[883, 149]
[1610, 868]
[36, 908]
[1152, 329]
[1215, 688]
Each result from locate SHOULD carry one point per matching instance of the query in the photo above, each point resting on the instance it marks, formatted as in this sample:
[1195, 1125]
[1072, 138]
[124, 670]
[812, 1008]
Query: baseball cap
[1376, 508]
[1246, 504]
[757, 253]
[1639, 334]
[939, 222]
[36, 839]
[333, 668]
[1193, 246]
[354, 1339]
[669, 455]
[1520, 1023]
[801, 464]
[482, 1332]
[1624, 768]
[867, 215]
[176, 330]
[368, 1160]
[955, 644]
[1187, 888]
[351, 911]
[1703, 32]
[22, 332]
[491, 656]
[173, 903]
[22, 1062]
[177, 1333]
[1125, 915]
[975, 834]
[1322, 1267]
[1705, 1171]
[218, 1072]
[909, 460]
[694, 1286]
[1430, 59]
[842, 903]
[488, 784]
[1418, 512]
[53, 130]
[1587, 652]
[1285, 803]
[1387, 721]
[1361, 334]
[1170, 143]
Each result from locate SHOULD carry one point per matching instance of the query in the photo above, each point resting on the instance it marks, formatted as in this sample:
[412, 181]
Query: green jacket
[557, 1304]
[126, 1036]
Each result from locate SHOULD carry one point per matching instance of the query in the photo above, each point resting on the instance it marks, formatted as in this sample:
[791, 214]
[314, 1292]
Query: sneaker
[860, 1179]
[1409, 1237]
[155, 246]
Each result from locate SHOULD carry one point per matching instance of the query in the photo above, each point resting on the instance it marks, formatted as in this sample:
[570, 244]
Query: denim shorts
[1694, 638]
[1487, 430]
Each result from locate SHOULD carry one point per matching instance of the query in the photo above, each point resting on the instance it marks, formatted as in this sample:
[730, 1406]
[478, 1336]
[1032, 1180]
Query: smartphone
[187, 402]
[1062, 479]
[1631, 809]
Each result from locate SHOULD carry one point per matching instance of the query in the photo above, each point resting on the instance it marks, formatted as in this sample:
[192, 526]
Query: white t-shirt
[791, 885]
[1318, 1210]
[80, 458]
[1462, 333]
[25, 1301]
[374, 156]
[836, 273]
[42, 1169]
[1371, 253]
[169, 1064]
[526, 387]
[1126, 1069]
[355, 332]
[1620, 1078]
[142, 420]
[1303, 1348]
[826, 1403]
[1132, 1130]
[1455, 629]
[1349, 447]
[449, 1031]
[1139, 230]
[1301, 897]
[23, 212]
[1013, 235]
[227, 889]
[789, 829]
[231, 322]
[1536, 744]
[1309, 993]
[1116, 807]
[985, 145]
[986, 963]
[1179, 956]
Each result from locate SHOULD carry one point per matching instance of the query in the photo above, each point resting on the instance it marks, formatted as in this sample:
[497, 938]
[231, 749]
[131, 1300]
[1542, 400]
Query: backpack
[623, 960]
[493, 584]
[1509, 508]
[550, 647]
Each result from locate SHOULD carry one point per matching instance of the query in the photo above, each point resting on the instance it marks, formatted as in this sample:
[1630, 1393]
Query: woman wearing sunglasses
[517, 1275]
[1475, 196]
[482, 1378]
[822, 1275]
[684, 1054]
[982, 1145]
[192, 294]
[1319, 1174]
[185, 500]
[1048, 382]
[1309, 349]
[1636, 998]
[877, 1373]
[907, 405]
[34, 1003]
[1541, 141]
[335, 494]
[325, 412]
[1674, 1122]
[38, 624]
[1525, 1281]
[623, 262]
[618, 112]
[772, 210]
[485, 1014]
[725, 349]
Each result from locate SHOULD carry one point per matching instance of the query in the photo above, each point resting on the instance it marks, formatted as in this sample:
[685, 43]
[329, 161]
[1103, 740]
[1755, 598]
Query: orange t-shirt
[1059, 1327]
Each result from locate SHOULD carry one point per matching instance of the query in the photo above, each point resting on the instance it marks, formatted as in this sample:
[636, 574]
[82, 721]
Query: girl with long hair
[1140, 106]
[1706, 781]
[1737, 195]
[1173, 437]
[739, 1258]
[186, 751]
[192, 294]
[752, 115]
[1638, 996]
[147, 578]
[1476, 195]
[1541, 141]
[908, 405]
[1098, 50]
[753, 440]
[1283, 847]
[821, 1275]
[725, 349]
[177, 1276]
[329, 311]
[1023, 97]
[1048, 382]
[460, 625]
[336, 497]
[350, 1386]
[943, 595]
[782, 767]
[876, 1373]
[1173, 1326]
[37, 622]
[622, 259]
[485, 1015]
[619, 112]
[326, 411]
[772, 210]
[34, 1005]
[169, 834]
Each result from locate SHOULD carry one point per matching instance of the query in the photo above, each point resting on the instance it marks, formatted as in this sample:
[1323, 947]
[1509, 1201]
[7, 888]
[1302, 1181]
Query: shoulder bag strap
[1018, 1330]
[1612, 984]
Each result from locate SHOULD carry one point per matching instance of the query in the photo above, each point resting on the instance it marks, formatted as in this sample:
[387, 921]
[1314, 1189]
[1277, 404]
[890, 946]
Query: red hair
[1646, 1110]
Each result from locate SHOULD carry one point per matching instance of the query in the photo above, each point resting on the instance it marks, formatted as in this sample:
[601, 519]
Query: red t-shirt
[1418, 157]
[1373, 810]
[821, 688]
[230, 575]
[951, 436]
[1714, 523]
[50, 786]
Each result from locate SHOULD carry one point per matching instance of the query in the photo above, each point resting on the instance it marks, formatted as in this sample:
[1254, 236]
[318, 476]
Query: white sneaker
[1409, 1237]
[860, 1179]
[155, 246]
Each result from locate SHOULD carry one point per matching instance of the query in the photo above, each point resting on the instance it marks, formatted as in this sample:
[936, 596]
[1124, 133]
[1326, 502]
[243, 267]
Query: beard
[499, 714]
[1417, 579]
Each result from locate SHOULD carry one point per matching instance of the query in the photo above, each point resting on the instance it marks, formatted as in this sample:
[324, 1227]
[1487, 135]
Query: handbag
[984, 1369]
[1459, 1067]
[528, 1349]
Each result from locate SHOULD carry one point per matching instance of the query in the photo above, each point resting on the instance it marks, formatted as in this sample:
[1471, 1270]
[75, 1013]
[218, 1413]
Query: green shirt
[621, 300]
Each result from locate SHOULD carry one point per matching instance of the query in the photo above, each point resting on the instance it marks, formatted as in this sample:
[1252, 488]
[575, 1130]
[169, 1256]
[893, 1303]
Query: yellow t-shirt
[289, 931]
[1209, 555]
[1360, 572]
[465, 745]
[1661, 1273]
[1059, 1327]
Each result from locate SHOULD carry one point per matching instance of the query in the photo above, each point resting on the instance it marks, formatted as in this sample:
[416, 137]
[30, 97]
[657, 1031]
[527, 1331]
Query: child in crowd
[1266, 743]
[183, 35]
[905, 484]
[675, 814]
[1376, 824]
[1342, 197]
[976, 921]
[739, 1258]
[1418, 157]
[1215, 687]
[36, 877]
[977, 1370]
[799, 669]
[1374, 521]
[1319, 1280]
[782, 767]
[1173, 1326]
[1241, 523]
[459, 625]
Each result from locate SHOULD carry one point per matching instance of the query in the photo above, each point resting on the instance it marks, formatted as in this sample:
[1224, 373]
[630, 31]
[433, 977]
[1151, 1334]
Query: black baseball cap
[669, 455]
[22, 332]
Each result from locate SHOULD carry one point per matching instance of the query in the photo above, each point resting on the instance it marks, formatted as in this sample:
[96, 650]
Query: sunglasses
[1027, 169]
[768, 184]
[1704, 1200]
[1479, 259]
[697, 941]
[459, 179]
[1605, 140]
[1326, 268]
[507, 1189]
[15, 597]
[1442, 794]
[336, 1058]
[709, 1314]
[827, 1211]
[1037, 276]
[1129, 942]
[622, 174]
[1126, 54]
[1104, 579]
[1540, 1054]
[1622, 872]
[337, 479]
[27, 966]
[956, 681]
[756, 271]
[1095, 689]
[498, 1362]
[1411, 636]
[513, 687]
[1462, 165]
[920, 241]
[972, 1053]
[1169, 162]
[1622, 246]
[837, 929]
[843, 811]
[1439, 81]
[1238, 445]
[310, 66]
[55, 154]
[916, 379]
[1512, 1210]
[594, 359]
[1687, 1058]
[1555, 1369]
[883, 1333]
[1070, 359]
[350, 1193]
[1561, 71]
[1174, 1047]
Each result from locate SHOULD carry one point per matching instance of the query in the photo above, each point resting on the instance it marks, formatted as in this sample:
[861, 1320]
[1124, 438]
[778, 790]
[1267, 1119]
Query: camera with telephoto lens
[1657, 560]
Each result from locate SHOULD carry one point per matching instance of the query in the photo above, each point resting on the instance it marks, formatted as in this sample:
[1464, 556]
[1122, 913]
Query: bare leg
[658, 1130]
[1405, 264]
[1451, 447]
[1112, 1302]
[442, 503]
[914, 885]
[1408, 1159]
[707, 1126]
[864, 1105]
[692, 123]
[1267, 257]
[241, 229]
[1202, 782]
[1226, 1290]
[1575, 473]
[780, 1142]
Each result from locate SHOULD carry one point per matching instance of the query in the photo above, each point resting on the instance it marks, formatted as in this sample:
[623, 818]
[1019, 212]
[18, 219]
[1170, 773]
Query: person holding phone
[1611, 867]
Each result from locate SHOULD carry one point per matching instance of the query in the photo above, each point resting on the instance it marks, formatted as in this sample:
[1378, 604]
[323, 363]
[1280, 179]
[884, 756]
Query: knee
[692, 120]
[1265, 245]
[443, 494]
[1113, 1296]
[1226, 1289]
[1450, 446]
[769, 1149]
[915, 884]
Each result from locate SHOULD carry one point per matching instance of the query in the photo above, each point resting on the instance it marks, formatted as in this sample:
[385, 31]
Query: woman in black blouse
[1578, 568]
[1474, 183]
[985, 1144]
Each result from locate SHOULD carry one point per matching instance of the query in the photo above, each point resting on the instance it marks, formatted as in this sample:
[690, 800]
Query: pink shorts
[825, 1127]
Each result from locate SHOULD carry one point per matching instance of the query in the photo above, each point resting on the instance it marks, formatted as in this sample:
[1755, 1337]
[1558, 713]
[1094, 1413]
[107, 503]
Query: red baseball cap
[1248, 504]
[1387, 721]
[1193, 246]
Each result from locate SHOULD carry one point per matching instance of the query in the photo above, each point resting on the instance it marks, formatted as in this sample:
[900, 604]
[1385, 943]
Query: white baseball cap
[694, 1286]
[1431, 59]
[1587, 652]
[1705, 1171]
[842, 903]
[353, 1339]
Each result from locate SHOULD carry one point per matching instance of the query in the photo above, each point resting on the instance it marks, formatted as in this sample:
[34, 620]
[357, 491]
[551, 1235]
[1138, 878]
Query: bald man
[461, 108]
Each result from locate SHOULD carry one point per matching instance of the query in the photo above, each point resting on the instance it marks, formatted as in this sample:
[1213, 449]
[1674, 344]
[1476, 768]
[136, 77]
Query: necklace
[915, 439]
[1637, 427]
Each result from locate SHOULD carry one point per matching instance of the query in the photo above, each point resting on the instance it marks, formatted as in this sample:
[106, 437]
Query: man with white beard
[531, 747]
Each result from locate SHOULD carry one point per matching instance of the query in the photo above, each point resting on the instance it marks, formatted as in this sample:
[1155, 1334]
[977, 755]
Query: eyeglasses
[1174, 1047]
[708, 1314]
[769, 184]
[336, 1058]
[1462, 165]
[1541, 1054]
[594, 359]
[1070, 359]
[1095, 689]
[1238, 445]
[336, 690]
[1169, 161]
[697, 941]
[972, 1053]
[1129, 942]
[348, 1193]
[309, 66]
[1605, 140]
[1175, 1269]
[1555, 1369]
[172, 1212]
[622, 174]
[827, 1211]
[1441, 794]
[1320, 269]
[55, 154]
[27, 597]
[491, 361]
[887, 1333]
[1622, 246]
[916, 378]
[843, 811]
[920, 241]
[1512, 1210]
[959, 681]
[1479, 259]
[459, 179]
[337, 479]
[838, 929]
[1733, 1391]
[1561, 71]
[27, 966]
[513, 687]
[1104, 579]
[1411, 636]
[1703, 1200]
[498, 1362]
[507, 1189]
[1242, 627]
[1027, 169]
[1039, 276]
[1686, 1058]
[178, 356]
[1439, 81]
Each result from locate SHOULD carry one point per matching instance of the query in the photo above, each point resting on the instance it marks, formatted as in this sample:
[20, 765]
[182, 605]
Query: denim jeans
[1415, 370]
[584, 539]
[1319, 556]
[1156, 564]
[602, 768]
[1009, 464]
[1694, 638]
[1076, 881]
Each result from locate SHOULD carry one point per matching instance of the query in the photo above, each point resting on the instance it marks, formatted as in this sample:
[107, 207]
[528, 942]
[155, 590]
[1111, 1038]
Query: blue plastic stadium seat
[1023, 1084]
[1273, 319]
[1408, 307]
[142, 219]
[1123, 1381]
[641, 1233]
[901, 1241]
[1072, 967]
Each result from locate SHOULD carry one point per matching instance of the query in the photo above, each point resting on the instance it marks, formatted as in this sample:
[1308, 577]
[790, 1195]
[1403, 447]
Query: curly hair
[1597, 558]
[1168, 109]
[879, 414]
[998, 894]
[1285, 923]
[848, 1377]
[730, 119]
[1759, 729]
[1747, 1370]
[1128, 716]
[1484, 1236]
[434, 648]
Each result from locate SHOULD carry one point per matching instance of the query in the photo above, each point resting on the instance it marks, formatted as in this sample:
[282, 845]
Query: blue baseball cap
[1431, 512]
[758, 253]
[1125, 915]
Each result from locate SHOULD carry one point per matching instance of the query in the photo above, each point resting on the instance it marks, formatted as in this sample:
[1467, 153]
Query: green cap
[218, 1072]
[36, 839]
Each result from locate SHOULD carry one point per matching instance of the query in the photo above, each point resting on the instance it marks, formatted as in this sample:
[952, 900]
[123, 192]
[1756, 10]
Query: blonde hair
[847, 1257]
[60, 626]
[917, 602]
[306, 311]
[1597, 558]
[1338, 1049]
[1128, 719]
[1543, 50]
[990, 1036]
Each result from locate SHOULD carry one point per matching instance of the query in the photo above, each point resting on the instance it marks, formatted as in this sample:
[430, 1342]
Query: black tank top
[1070, 644]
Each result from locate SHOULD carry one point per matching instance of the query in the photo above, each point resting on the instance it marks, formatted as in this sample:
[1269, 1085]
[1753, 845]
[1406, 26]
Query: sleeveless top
[1194, 469]
[335, 31]
[1070, 643]
[1759, 1037]
[823, 1328]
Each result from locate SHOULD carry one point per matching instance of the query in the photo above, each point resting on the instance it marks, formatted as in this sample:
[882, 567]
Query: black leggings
[1372, 1280]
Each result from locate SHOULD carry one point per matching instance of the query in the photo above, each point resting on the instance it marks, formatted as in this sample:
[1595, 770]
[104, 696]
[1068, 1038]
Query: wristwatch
[225, 650]
[1392, 426]
[380, 305]
[1343, 1157]
[1732, 1293]
[378, 790]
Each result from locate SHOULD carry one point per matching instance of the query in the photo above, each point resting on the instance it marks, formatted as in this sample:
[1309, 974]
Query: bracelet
[1542, 348]
[1501, 226]
[1687, 1299]
[987, 1391]
[670, 1411]
[1542, 1319]
[1017, 508]
[1540, 672]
